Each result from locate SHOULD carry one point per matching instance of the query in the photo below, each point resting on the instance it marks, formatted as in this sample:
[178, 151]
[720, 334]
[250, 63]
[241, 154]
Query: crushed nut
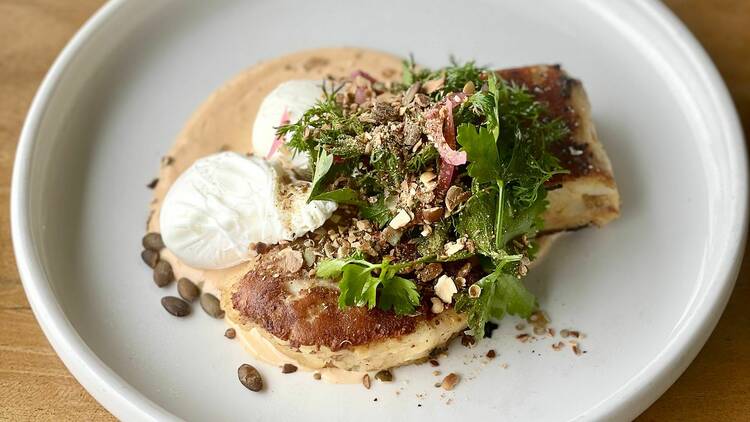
[427, 177]
[437, 305]
[432, 215]
[364, 225]
[430, 271]
[401, 219]
[433, 85]
[464, 270]
[452, 248]
[445, 288]
[455, 197]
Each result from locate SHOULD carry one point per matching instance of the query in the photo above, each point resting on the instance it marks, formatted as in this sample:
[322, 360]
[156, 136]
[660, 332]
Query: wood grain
[34, 384]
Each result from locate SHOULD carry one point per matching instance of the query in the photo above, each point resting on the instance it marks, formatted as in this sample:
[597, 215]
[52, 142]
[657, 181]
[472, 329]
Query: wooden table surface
[34, 384]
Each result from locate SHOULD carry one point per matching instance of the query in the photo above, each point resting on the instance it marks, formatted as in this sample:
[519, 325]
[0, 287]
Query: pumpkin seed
[211, 305]
[187, 289]
[163, 274]
[175, 306]
[384, 376]
[153, 242]
[150, 257]
[366, 381]
[250, 377]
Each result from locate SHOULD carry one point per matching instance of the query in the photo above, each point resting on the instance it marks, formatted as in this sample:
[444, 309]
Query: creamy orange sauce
[224, 123]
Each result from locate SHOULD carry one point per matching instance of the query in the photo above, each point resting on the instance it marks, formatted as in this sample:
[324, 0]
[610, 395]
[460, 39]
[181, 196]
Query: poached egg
[226, 202]
[287, 102]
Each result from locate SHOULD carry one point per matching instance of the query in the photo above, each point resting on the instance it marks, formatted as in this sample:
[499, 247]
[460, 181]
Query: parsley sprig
[363, 283]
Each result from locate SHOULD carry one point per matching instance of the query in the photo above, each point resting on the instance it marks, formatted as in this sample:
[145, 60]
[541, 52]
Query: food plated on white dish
[379, 210]
[646, 302]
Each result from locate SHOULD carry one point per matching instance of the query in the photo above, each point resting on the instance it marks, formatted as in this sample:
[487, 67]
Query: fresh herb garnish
[370, 149]
[366, 284]
[502, 294]
[509, 162]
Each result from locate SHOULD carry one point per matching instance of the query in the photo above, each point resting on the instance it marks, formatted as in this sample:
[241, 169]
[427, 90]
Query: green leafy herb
[476, 221]
[322, 166]
[377, 212]
[341, 196]
[508, 162]
[481, 152]
[424, 158]
[365, 284]
[433, 244]
[502, 294]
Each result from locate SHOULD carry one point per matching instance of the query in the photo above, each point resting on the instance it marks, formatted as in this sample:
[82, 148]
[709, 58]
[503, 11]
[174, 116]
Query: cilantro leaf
[331, 268]
[502, 294]
[359, 287]
[399, 294]
[352, 285]
[481, 152]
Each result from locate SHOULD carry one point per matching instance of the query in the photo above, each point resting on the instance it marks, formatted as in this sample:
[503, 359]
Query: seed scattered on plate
[250, 377]
[467, 340]
[366, 381]
[288, 368]
[316, 376]
[491, 354]
[187, 289]
[230, 333]
[434, 362]
[163, 274]
[450, 381]
[175, 306]
[153, 242]
[384, 376]
[211, 305]
[150, 257]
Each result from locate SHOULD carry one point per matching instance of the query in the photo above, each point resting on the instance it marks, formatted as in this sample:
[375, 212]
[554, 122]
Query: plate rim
[125, 402]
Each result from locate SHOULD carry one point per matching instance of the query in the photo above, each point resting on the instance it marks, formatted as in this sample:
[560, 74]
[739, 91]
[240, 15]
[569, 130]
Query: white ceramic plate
[647, 289]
